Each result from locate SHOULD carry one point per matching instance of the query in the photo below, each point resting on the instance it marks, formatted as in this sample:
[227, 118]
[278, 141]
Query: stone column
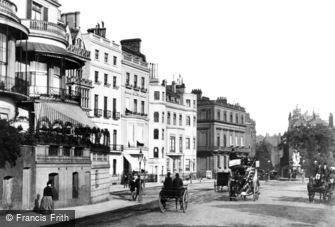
[11, 58]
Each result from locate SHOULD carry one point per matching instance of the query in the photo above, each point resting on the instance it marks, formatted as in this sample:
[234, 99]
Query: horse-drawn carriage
[244, 179]
[177, 195]
[322, 185]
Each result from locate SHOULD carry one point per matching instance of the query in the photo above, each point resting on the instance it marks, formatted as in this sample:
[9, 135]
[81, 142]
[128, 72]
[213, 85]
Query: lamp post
[140, 158]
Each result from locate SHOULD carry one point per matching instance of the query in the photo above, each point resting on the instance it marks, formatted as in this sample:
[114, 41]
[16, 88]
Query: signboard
[234, 162]
[257, 164]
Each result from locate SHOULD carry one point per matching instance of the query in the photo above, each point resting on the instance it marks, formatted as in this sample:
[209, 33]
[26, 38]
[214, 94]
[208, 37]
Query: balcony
[136, 88]
[144, 90]
[78, 81]
[129, 86]
[97, 112]
[107, 85]
[54, 93]
[46, 29]
[97, 82]
[173, 153]
[115, 147]
[116, 116]
[100, 148]
[9, 9]
[107, 114]
[115, 87]
[15, 86]
[79, 51]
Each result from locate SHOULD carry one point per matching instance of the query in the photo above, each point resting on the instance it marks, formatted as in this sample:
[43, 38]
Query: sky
[268, 56]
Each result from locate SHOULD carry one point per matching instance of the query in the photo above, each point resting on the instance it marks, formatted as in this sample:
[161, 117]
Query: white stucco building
[135, 105]
[104, 70]
[172, 127]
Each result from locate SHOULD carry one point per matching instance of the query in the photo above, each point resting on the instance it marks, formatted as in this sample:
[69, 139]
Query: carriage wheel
[185, 200]
[256, 192]
[163, 209]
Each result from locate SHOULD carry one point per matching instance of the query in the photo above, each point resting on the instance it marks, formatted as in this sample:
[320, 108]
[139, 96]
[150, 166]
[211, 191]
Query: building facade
[60, 137]
[135, 106]
[222, 130]
[172, 129]
[104, 70]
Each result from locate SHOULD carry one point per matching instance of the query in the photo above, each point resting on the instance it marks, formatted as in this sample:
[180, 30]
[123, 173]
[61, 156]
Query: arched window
[156, 134]
[224, 140]
[156, 151]
[225, 116]
[231, 117]
[242, 120]
[156, 117]
[236, 118]
[188, 120]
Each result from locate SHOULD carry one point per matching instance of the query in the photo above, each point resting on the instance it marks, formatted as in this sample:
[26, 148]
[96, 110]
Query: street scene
[281, 203]
[167, 113]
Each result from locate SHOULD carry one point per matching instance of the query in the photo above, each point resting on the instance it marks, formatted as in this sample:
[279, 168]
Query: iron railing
[16, 85]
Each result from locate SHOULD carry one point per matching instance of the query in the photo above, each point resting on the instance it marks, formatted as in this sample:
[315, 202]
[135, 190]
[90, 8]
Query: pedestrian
[47, 204]
[138, 186]
[303, 176]
[37, 203]
[132, 188]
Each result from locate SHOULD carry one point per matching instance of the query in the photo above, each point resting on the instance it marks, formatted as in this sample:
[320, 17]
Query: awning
[64, 112]
[133, 161]
[51, 51]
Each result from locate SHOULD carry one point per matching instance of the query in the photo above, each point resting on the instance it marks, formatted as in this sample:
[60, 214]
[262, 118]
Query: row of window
[135, 84]
[172, 143]
[222, 116]
[106, 80]
[96, 103]
[239, 141]
[106, 57]
[178, 163]
[135, 106]
[170, 99]
[188, 119]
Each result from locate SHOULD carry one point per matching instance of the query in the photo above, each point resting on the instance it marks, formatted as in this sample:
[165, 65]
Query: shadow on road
[298, 214]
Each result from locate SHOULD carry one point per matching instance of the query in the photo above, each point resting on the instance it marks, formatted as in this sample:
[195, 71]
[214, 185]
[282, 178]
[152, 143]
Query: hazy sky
[266, 55]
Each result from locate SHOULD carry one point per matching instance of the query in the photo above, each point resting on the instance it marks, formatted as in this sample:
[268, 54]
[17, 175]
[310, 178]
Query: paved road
[280, 204]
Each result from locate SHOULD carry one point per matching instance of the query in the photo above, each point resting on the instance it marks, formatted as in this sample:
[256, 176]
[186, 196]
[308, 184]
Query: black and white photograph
[168, 113]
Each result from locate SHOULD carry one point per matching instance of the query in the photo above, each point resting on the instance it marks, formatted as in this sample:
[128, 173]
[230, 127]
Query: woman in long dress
[47, 204]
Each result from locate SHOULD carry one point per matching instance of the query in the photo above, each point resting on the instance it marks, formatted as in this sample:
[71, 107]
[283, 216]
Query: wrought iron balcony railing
[97, 112]
[107, 114]
[116, 116]
[115, 147]
[54, 92]
[15, 85]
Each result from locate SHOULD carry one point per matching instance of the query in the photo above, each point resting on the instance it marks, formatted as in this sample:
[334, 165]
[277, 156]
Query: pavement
[113, 204]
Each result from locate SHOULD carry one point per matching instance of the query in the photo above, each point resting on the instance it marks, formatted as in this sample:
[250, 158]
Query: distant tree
[263, 154]
[10, 141]
[313, 143]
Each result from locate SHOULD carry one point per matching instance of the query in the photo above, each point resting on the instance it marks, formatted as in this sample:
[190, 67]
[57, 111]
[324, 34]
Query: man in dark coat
[177, 182]
[168, 181]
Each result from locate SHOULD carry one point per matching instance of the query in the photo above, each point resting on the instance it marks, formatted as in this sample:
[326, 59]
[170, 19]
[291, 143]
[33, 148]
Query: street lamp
[269, 162]
[140, 158]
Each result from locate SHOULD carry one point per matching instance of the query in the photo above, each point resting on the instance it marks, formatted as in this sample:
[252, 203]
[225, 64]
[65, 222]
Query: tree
[313, 143]
[263, 154]
[9, 144]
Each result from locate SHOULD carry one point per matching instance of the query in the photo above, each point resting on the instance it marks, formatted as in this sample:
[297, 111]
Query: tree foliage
[263, 154]
[313, 143]
[9, 144]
